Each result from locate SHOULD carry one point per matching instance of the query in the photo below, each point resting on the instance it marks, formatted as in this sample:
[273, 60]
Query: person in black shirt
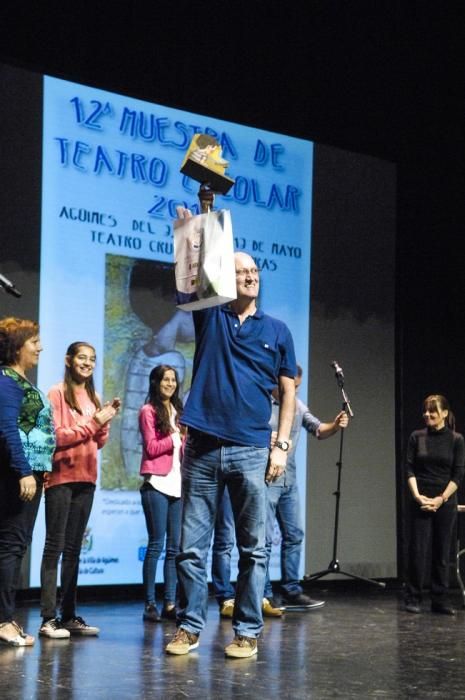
[435, 467]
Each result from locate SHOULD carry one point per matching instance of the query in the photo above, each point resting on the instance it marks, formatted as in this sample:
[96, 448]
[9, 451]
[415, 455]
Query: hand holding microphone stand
[334, 566]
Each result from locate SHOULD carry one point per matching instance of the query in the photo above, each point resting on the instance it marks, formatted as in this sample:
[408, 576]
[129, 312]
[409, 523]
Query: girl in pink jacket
[82, 426]
[161, 490]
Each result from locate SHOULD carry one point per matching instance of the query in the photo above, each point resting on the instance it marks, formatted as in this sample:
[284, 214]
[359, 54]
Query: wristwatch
[283, 445]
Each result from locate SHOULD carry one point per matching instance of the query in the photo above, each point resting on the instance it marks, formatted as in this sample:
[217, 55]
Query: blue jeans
[283, 504]
[67, 511]
[223, 543]
[163, 518]
[17, 519]
[208, 467]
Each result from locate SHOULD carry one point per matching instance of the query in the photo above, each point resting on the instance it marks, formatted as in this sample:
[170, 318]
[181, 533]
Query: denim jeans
[67, 510]
[207, 468]
[17, 520]
[223, 543]
[163, 518]
[283, 504]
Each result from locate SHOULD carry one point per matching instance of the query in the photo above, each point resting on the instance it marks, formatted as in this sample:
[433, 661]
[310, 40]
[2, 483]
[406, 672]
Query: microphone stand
[334, 566]
[8, 286]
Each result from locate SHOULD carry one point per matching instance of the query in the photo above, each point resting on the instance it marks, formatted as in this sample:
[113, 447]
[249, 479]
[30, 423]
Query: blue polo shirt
[235, 370]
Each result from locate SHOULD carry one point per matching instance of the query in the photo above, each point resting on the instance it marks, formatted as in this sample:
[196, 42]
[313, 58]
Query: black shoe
[151, 614]
[76, 625]
[412, 607]
[169, 612]
[442, 609]
[300, 601]
[275, 602]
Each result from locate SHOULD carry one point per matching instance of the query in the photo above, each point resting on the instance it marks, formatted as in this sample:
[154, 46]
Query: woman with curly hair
[27, 442]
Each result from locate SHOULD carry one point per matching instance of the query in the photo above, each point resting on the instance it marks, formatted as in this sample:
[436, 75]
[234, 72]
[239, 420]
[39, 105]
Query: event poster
[111, 184]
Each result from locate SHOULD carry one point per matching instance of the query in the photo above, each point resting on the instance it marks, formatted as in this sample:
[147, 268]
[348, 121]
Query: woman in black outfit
[435, 467]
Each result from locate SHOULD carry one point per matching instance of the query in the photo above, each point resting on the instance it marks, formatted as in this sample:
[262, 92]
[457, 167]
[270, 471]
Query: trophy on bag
[203, 244]
[203, 162]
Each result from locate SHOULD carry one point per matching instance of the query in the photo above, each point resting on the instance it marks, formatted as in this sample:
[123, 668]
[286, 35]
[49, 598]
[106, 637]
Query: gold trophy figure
[203, 162]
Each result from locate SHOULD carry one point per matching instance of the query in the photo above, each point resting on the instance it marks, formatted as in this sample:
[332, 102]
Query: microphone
[337, 369]
[8, 286]
[339, 374]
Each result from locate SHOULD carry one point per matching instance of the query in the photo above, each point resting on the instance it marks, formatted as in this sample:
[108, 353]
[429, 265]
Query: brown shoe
[227, 608]
[241, 647]
[183, 642]
[269, 608]
[12, 634]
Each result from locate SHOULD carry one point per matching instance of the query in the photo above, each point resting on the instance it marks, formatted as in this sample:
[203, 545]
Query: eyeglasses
[245, 272]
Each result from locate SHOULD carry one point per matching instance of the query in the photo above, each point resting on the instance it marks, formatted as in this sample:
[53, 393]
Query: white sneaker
[14, 636]
[53, 630]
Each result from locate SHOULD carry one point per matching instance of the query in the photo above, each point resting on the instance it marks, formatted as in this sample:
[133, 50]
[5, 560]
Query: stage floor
[360, 645]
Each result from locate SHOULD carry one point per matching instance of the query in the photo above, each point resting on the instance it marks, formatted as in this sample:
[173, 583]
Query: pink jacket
[78, 439]
[157, 449]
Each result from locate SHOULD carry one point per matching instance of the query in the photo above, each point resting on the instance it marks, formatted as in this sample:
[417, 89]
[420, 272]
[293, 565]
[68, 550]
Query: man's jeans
[223, 543]
[162, 517]
[67, 511]
[283, 504]
[208, 466]
[17, 519]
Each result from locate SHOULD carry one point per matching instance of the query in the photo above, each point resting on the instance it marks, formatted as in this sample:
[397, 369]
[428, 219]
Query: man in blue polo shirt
[239, 353]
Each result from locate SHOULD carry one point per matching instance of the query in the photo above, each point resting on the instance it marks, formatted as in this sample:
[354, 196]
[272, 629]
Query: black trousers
[67, 510]
[17, 519]
[430, 547]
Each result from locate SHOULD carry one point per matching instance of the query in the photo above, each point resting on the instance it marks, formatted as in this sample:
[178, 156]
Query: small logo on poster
[87, 541]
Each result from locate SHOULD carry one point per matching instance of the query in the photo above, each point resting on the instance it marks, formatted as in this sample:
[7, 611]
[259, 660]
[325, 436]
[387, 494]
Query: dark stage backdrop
[352, 321]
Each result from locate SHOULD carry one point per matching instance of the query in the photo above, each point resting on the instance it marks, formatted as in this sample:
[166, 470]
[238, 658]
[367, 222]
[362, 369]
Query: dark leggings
[67, 510]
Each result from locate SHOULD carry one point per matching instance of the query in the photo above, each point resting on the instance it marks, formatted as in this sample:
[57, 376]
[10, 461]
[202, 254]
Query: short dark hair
[14, 332]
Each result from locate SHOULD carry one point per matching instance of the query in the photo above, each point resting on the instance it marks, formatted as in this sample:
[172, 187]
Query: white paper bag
[204, 260]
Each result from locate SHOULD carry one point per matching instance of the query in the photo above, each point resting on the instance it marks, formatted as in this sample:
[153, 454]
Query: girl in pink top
[82, 427]
[161, 490]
